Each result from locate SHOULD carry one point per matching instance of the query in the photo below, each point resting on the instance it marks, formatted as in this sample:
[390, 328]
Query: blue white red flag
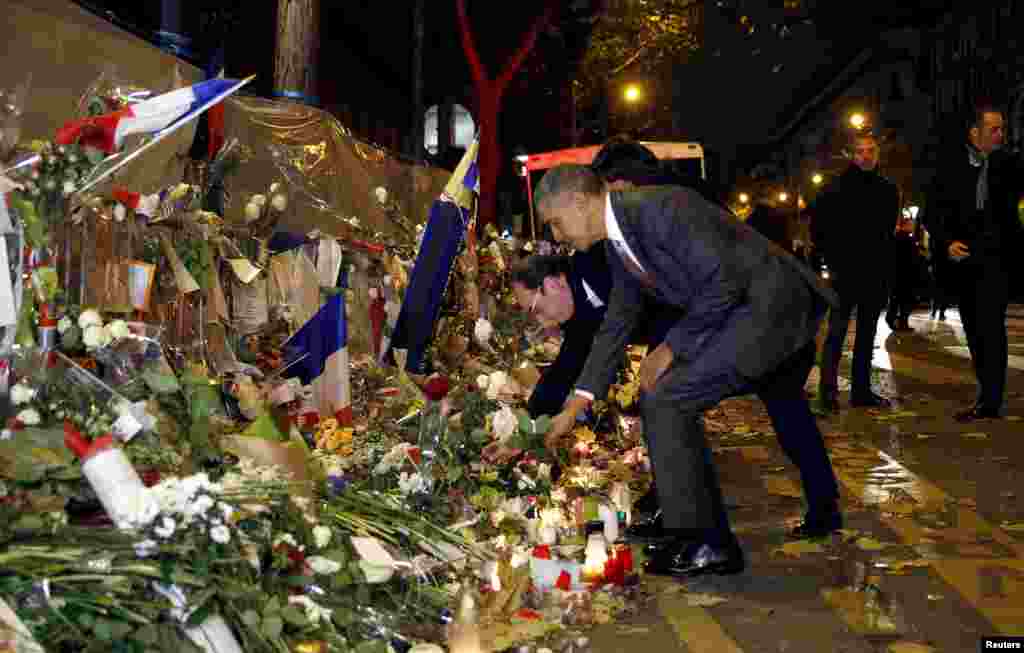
[107, 132]
[323, 342]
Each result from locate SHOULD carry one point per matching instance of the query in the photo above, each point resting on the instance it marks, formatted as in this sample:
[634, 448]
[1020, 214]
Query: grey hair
[568, 178]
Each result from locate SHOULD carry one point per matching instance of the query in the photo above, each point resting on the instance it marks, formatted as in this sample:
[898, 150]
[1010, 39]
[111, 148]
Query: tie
[644, 277]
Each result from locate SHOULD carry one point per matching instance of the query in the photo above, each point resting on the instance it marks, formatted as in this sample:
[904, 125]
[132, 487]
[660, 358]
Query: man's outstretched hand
[563, 422]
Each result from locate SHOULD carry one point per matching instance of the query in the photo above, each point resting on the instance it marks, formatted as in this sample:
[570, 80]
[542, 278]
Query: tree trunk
[488, 93]
[296, 49]
[418, 24]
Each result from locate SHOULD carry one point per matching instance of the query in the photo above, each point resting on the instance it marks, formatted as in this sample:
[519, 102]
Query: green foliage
[645, 35]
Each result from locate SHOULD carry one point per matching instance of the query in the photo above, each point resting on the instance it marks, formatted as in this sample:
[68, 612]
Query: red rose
[437, 388]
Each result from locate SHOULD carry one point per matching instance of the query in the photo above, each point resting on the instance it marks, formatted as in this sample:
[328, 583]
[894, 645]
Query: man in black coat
[750, 315]
[572, 292]
[854, 223]
[973, 222]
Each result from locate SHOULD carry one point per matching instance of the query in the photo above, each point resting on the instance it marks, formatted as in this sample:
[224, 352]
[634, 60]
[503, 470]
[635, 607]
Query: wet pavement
[932, 556]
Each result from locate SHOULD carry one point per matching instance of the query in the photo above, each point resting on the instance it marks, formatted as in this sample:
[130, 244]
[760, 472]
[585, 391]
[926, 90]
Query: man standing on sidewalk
[973, 220]
[854, 220]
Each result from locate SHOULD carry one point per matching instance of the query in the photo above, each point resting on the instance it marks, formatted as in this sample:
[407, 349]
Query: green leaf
[86, 619]
[294, 616]
[251, 619]
[372, 646]
[454, 473]
[103, 630]
[481, 436]
[525, 424]
[147, 635]
[542, 425]
[273, 606]
[272, 627]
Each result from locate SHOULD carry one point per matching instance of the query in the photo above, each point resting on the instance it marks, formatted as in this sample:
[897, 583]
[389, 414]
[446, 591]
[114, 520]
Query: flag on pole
[323, 342]
[107, 132]
[446, 228]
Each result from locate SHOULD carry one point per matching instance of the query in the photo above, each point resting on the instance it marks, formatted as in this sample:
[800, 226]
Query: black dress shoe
[817, 526]
[870, 400]
[651, 529]
[687, 559]
[977, 411]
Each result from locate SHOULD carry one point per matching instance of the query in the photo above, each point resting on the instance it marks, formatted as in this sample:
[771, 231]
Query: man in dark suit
[750, 314]
[973, 222]
[854, 224]
[572, 292]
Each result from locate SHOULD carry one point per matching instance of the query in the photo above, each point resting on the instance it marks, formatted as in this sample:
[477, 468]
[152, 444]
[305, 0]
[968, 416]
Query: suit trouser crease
[868, 303]
[688, 487]
[984, 297]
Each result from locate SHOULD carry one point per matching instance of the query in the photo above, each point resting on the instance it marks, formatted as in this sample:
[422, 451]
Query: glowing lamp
[744, 198]
[596, 557]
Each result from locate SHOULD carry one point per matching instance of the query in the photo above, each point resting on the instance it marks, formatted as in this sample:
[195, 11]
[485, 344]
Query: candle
[610, 516]
[596, 557]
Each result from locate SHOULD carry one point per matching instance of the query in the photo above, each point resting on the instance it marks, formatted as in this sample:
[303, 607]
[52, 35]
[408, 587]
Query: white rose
[280, 203]
[483, 331]
[504, 423]
[120, 212]
[89, 318]
[274, 187]
[544, 471]
[482, 381]
[166, 528]
[29, 417]
[68, 188]
[64, 324]
[22, 394]
[220, 534]
[96, 337]
[118, 329]
[376, 573]
[252, 212]
[322, 536]
[498, 381]
[323, 566]
[285, 538]
[382, 194]
[258, 200]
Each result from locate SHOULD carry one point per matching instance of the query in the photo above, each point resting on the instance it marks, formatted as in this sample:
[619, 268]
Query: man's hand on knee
[654, 366]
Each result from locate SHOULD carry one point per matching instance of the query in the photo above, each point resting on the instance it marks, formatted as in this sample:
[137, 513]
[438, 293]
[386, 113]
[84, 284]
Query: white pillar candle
[214, 636]
[119, 488]
[610, 516]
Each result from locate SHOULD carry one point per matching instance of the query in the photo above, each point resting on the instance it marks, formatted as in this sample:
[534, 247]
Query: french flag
[107, 132]
[323, 340]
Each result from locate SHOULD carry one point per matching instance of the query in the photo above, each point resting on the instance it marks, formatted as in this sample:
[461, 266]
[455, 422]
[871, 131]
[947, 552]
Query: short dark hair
[567, 178]
[531, 272]
[627, 160]
[976, 113]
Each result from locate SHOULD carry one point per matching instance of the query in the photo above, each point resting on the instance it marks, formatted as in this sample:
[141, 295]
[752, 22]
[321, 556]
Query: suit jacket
[992, 235]
[578, 332]
[727, 280]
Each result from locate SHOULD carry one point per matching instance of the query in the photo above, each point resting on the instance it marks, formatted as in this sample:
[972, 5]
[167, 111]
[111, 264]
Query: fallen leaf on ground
[782, 486]
[799, 548]
[900, 566]
[976, 436]
[870, 544]
[924, 436]
[910, 647]
[1014, 527]
[1013, 418]
[704, 600]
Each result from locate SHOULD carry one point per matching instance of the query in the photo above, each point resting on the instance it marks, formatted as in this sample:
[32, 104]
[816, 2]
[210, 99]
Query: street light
[744, 198]
[632, 93]
[817, 178]
[857, 120]
[783, 196]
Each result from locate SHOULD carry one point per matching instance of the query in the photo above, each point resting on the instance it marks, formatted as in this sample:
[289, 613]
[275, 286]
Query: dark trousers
[901, 301]
[688, 488]
[868, 299]
[983, 293]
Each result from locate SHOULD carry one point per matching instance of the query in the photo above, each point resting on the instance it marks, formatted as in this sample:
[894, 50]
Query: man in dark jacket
[854, 220]
[572, 292]
[973, 222]
[750, 313]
